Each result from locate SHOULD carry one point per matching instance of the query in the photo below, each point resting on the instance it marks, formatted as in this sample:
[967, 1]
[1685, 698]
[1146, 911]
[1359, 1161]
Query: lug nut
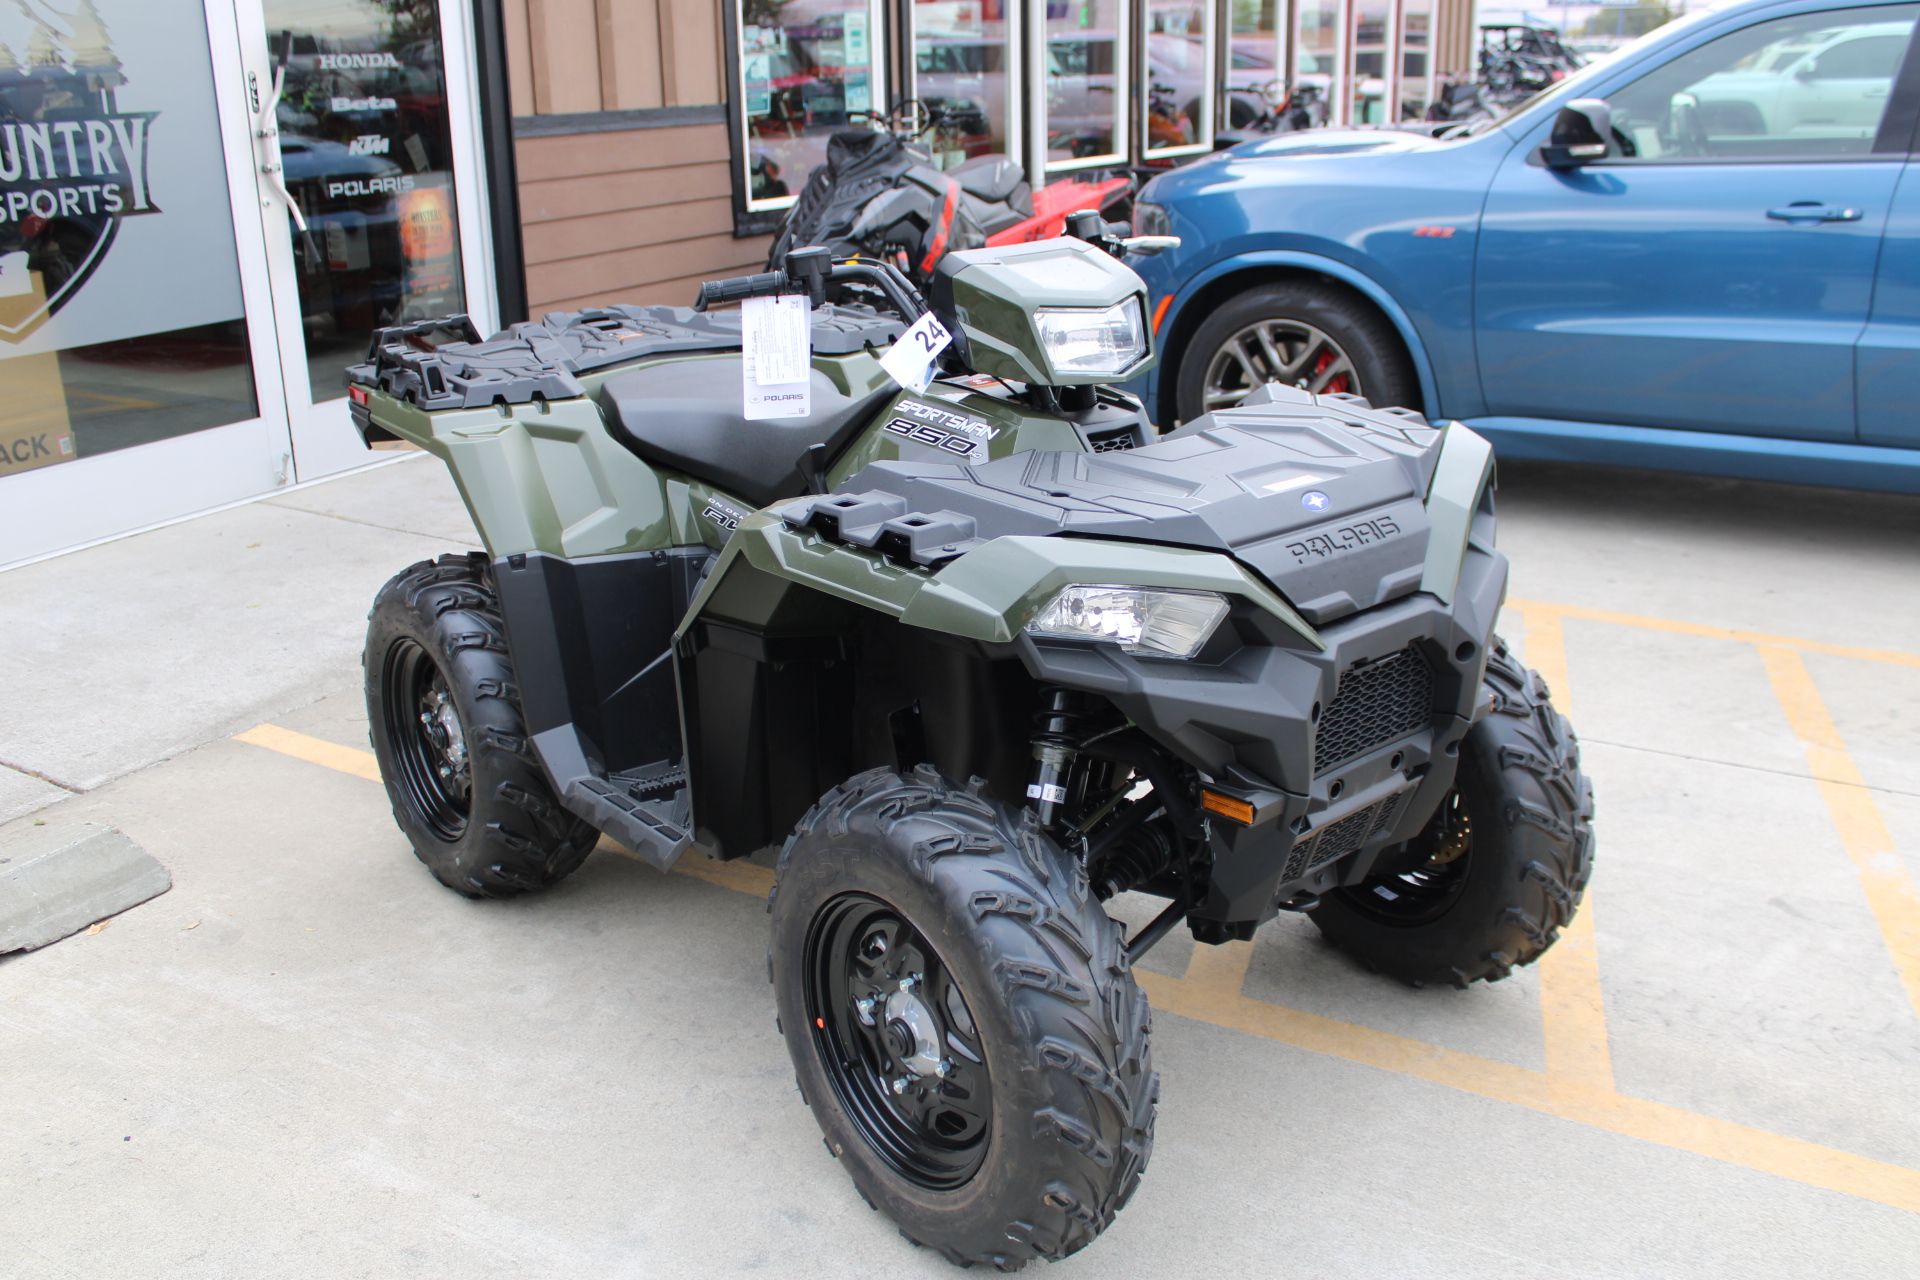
[865, 1008]
[944, 1069]
[445, 772]
[900, 1085]
[426, 717]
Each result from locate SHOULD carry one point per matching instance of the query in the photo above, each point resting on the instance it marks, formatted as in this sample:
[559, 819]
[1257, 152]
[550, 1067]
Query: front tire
[1500, 869]
[1314, 336]
[444, 715]
[1035, 1129]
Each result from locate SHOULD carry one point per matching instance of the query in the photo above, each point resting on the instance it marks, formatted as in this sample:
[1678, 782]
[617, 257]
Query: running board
[647, 812]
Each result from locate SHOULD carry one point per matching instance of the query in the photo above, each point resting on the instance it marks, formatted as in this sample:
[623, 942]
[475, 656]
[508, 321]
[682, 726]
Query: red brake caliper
[1321, 365]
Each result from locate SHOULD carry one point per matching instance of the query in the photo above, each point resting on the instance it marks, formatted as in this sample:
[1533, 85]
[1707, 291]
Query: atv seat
[996, 179]
[686, 415]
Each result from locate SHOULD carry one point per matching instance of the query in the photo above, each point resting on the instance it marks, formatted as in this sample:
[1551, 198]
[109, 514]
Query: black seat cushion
[686, 415]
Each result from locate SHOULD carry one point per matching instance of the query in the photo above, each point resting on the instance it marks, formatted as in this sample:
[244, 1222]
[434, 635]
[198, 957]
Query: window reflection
[807, 67]
[1086, 96]
[1179, 84]
[960, 72]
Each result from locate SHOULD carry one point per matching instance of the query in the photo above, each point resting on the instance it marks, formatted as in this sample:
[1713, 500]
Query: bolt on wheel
[898, 1043]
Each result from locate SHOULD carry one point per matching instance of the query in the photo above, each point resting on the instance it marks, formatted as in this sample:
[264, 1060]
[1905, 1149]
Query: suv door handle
[1813, 211]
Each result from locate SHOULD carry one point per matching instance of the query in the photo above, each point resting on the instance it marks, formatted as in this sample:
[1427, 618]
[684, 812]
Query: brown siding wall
[636, 216]
[633, 215]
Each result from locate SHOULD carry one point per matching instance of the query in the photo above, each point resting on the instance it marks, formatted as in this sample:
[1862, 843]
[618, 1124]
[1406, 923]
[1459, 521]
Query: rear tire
[463, 782]
[997, 917]
[1363, 341]
[1479, 907]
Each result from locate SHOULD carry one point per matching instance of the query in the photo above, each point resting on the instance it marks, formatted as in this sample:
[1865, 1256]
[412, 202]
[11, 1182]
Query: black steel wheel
[897, 1042]
[962, 1019]
[1499, 869]
[435, 779]
[444, 715]
[1308, 334]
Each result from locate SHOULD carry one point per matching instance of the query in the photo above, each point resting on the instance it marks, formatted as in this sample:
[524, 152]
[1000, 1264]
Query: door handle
[267, 129]
[1810, 211]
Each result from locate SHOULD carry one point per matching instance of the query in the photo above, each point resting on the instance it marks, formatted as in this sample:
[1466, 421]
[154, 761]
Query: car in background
[1618, 270]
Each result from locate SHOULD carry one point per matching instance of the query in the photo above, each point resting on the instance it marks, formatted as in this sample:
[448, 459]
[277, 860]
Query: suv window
[1809, 87]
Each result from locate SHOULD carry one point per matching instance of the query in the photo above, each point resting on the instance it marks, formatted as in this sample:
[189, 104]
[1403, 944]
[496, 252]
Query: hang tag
[776, 350]
[909, 361]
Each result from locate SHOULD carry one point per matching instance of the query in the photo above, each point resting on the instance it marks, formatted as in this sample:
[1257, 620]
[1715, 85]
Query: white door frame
[90, 500]
[323, 438]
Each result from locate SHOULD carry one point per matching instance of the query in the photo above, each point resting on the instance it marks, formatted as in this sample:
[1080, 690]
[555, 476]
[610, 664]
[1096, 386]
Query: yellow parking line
[1573, 1012]
[1653, 1122]
[1863, 831]
[328, 755]
[1211, 993]
[1894, 657]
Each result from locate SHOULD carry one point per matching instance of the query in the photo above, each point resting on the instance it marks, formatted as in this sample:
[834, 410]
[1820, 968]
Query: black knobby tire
[497, 830]
[1501, 901]
[1385, 373]
[1061, 1022]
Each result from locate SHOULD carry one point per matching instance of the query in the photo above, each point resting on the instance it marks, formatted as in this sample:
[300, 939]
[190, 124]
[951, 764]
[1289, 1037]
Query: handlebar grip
[734, 288]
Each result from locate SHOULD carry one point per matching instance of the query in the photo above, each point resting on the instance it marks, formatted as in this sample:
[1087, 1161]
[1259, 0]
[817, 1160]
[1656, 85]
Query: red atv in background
[881, 195]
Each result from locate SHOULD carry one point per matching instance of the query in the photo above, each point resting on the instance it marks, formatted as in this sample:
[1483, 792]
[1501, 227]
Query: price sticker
[909, 361]
[776, 350]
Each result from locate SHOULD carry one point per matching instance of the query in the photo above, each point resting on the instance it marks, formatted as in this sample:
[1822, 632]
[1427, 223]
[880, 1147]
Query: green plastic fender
[1460, 475]
[987, 594]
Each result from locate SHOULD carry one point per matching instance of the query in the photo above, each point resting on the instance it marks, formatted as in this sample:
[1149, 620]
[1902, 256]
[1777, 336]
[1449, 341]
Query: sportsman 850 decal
[942, 437]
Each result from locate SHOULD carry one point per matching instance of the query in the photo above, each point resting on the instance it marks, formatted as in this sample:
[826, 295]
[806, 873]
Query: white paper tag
[909, 361]
[776, 350]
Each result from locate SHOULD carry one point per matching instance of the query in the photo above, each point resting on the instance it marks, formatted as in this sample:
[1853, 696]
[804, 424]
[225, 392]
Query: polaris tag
[776, 356]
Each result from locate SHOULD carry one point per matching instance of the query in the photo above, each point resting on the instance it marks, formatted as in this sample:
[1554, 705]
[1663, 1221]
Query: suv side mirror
[1581, 134]
[1808, 70]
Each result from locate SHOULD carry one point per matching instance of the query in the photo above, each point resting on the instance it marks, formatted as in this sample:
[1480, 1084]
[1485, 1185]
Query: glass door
[961, 56]
[369, 190]
[1370, 70]
[137, 376]
[1080, 48]
[1317, 80]
[1177, 75]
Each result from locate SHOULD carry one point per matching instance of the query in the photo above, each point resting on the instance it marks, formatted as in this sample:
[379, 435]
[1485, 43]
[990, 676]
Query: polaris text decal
[1361, 533]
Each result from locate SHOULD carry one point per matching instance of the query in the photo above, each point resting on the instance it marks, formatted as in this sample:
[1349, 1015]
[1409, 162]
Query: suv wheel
[1316, 337]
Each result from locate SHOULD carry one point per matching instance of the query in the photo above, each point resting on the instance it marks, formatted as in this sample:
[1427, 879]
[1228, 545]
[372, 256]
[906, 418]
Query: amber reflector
[1226, 806]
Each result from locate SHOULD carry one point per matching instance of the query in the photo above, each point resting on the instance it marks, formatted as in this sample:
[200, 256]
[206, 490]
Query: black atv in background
[881, 196]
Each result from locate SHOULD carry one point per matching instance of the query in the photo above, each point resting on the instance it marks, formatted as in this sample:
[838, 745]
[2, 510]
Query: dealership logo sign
[72, 164]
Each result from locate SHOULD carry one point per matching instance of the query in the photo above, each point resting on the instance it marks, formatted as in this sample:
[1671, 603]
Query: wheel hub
[914, 1032]
[1281, 350]
[897, 1043]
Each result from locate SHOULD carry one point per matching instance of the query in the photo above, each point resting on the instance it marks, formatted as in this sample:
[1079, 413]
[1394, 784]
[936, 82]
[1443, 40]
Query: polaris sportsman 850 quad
[979, 659]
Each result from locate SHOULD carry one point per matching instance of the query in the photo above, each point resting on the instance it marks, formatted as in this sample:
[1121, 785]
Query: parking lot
[309, 1059]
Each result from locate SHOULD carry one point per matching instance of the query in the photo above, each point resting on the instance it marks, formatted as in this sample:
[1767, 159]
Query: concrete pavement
[308, 1059]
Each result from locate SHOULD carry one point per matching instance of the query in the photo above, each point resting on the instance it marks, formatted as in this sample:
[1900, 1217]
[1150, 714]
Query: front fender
[986, 595]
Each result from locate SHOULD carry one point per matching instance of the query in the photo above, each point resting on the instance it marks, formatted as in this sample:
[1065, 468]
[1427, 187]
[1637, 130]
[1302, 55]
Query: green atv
[984, 657]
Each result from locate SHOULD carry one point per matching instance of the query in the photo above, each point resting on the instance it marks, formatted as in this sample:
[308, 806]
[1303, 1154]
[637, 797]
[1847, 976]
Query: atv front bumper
[1345, 749]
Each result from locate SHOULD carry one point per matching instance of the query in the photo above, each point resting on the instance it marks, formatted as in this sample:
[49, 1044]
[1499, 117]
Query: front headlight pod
[1172, 624]
[1103, 342]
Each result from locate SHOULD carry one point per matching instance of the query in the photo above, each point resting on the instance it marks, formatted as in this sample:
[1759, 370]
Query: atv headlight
[1172, 624]
[1083, 341]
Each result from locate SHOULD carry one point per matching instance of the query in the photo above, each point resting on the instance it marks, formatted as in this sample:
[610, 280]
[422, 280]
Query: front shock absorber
[1054, 750]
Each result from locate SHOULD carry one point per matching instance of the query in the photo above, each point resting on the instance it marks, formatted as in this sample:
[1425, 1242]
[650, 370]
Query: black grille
[1111, 439]
[1343, 837]
[1378, 702]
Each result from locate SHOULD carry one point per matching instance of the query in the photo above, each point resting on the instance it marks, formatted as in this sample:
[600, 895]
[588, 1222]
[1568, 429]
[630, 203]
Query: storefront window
[1256, 52]
[1372, 42]
[120, 307]
[960, 59]
[1416, 58]
[1179, 81]
[367, 149]
[807, 68]
[1086, 96]
[1317, 56]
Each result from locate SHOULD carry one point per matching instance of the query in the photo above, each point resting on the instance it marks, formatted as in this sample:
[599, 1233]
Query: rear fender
[543, 476]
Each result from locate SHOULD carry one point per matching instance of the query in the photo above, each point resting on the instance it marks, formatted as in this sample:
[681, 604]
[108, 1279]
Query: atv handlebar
[808, 271]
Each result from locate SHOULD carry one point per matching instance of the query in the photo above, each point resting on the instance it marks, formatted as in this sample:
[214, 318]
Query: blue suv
[1700, 254]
